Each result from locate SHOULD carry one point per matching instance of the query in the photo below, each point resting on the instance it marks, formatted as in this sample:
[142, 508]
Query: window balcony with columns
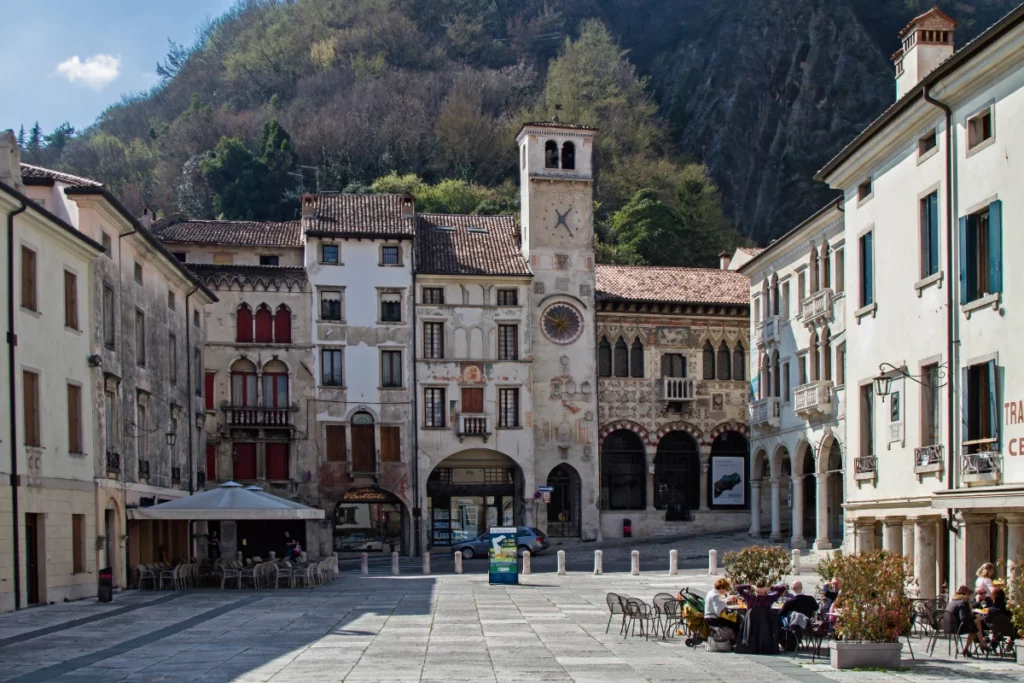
[678, 389]
[767, 331]
[813, 399]
[766, 413]
[816, 309]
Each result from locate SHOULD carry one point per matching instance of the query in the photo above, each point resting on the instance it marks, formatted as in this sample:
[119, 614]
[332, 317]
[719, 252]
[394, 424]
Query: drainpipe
[950, 301]
[190, 422]
[417, 510]
[12, 343]
[124, 393]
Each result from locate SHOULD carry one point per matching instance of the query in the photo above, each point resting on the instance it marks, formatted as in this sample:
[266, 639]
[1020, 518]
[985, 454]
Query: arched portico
[830, 525]
[370, 519]
[782, 471]
[759, 473]
[803, 494]
[563, 511]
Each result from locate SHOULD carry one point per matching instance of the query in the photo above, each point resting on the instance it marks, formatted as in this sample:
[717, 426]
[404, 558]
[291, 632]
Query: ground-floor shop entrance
[469, 492]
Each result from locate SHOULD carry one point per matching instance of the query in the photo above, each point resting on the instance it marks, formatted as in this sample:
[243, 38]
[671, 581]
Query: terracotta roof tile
[751, 251]
[468, 245]
[231, 233]
[676, 285]
[372, 215]
[38, 175]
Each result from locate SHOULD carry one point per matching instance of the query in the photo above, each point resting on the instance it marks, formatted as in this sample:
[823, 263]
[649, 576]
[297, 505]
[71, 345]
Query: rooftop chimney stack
[408, 206]
[309, 205]
[10, 161]
[724, 259]
[926, 42]
[146, 218]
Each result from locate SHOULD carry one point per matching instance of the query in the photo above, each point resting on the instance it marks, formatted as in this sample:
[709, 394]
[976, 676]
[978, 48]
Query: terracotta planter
[847, 655]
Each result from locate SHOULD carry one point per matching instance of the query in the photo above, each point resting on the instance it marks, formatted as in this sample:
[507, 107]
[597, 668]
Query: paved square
[409, 628]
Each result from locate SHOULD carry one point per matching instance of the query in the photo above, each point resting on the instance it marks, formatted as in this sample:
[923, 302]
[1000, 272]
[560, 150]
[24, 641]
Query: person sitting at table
[715, 604]
[799, 603]
[997, 604]
[985, 573]
[965, 620]
[760, 631]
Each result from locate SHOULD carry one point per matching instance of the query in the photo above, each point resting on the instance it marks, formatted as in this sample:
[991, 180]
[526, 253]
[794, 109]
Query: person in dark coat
[760, 630]
[964, 619]
[799, 603]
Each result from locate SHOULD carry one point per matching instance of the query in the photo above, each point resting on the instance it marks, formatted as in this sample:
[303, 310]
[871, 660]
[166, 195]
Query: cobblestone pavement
[407, 628]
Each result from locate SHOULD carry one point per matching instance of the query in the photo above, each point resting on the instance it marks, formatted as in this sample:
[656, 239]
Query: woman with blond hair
[986, 573]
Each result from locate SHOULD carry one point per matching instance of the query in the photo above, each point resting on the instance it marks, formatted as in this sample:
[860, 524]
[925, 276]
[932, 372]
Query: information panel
[504, 563]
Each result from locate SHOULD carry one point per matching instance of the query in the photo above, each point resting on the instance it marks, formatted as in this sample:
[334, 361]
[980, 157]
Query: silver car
[533, 540]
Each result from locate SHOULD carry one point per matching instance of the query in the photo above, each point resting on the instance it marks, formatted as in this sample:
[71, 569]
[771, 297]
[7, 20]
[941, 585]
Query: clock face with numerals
[561, 323]
[561, 219]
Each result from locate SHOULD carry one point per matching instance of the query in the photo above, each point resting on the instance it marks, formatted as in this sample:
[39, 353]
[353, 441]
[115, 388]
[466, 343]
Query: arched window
[776, 375]
[764, 386]
[243, 384]
[766, 299]
[283, 325]
[826, 265]
[814, 271]
[621, 358]
[812, 350]
[264, 325]
[636, 358]
[275, 384]
[724, 361]
[775, 294]
[826, 354]
[243, 324]
[568, 156]
[550, 154]
[739, 364]
[709, 361]
[604, 358]
[623, 472]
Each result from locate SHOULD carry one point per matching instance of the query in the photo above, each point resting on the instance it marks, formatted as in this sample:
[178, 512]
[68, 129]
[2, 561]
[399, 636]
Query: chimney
[309, 205]
[724, 259]
[408, 206]
[10, 161]
[925, 43]
[146, 218]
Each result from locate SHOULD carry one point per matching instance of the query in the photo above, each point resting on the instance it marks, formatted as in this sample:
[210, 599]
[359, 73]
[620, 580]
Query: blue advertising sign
[504, 562]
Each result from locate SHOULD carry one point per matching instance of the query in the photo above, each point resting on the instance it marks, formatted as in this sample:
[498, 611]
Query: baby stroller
[697, 630]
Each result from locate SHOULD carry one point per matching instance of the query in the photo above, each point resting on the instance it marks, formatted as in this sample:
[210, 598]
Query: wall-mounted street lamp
[172, 438]
[889, 372]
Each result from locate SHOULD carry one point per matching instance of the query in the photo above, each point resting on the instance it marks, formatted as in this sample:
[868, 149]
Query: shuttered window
[211, 462]
[140, 338]
[867, 266]
[636, 358]
[30, 401]
[433, 408]
[930, 235]
[621, 358]
[28, 279]
[981, 253]
[74, 418]
[264, 325]
[208, 390]
[508, 407]
[277, 461]
[508, 342]
[70, 300]
[336, 447]
[433, 341]
[472, 400]
[390, 446]
[78, 544]
[283, 325]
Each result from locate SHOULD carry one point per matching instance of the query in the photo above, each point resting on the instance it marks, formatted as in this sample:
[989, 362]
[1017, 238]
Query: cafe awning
[229, 501]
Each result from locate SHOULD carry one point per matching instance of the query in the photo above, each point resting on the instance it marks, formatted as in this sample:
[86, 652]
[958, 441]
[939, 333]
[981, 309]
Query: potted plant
[768, 562]
[1015, 599]
[873, 610]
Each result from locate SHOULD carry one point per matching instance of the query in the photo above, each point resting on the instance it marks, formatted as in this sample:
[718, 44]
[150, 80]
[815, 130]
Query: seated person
[798, 603]
[965, 620]
[715, 614]
[997, 604]
[760, 630]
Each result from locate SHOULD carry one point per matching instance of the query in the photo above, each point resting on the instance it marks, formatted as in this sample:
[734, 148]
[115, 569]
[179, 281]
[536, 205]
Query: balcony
[767, 331]
[865, 467]
[928, 459]
[474, 425]
[813, 399]
[817, 308]
[259, 416]
[675, 389]
[982, 467]
[113, 463]
[764, 414]
[144, 469]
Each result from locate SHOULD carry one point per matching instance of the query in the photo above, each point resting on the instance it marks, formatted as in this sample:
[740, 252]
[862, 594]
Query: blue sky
[117, 44]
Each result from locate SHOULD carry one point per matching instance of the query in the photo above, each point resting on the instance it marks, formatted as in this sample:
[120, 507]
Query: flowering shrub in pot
[768, 562]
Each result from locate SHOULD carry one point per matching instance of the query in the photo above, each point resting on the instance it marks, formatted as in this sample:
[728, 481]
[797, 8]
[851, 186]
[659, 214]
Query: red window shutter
[211, 462]
[277, 461]
[208, 390]
[472, 400]
[243, 324]
[390, 449]
[283, 326]
[336, 447]
[245, 461]
[264, 325]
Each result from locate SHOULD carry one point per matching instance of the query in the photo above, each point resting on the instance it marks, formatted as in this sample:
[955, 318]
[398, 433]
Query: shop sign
[1014, 411]
[504, 563]
[368, 494]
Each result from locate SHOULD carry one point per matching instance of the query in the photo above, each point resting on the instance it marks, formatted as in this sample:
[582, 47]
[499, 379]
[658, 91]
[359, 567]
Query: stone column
[908, 539]
[705, 468]
[651, 452]
[865, 534]
[776, 536]
[1014, 544]
[975, 541]
[925, 555]
[892, 534]
[822, 542]
[228, 539]
[797, 512]
[755, 508]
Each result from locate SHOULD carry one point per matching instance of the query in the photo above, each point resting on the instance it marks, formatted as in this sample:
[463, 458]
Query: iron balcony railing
[928, 455]
[113, 462]
[678, 389]
[983, 462]
[144, 469]
[259, 416]
[813, 398]
[765, 413]
[817, 308]
[767, 331]
[865, 464]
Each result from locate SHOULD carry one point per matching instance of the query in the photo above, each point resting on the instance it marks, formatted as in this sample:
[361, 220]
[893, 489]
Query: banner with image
[504, 562]
[728, 481]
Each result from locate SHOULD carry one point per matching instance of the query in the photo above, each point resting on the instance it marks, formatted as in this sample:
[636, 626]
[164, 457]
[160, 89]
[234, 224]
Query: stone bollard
[364, 564]
[458, 562]
[526, 561]
[796, 562]
[673, 562]
[334, 563]
[713, 562]
[561, 563]
[598, 562]
[426, 563]
[394, 564]
[635, 567]
[303, 557]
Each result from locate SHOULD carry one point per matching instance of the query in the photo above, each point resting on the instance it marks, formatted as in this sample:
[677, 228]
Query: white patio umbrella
[230, 501]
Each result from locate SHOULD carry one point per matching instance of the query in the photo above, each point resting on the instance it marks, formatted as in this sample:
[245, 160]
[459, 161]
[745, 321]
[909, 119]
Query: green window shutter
[965, 401]
[993, 403]
[933, 233]
[966, 264]
[995, 246]
[867, 283]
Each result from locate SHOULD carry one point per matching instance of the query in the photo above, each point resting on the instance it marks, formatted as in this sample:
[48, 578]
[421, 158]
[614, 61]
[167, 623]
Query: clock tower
[557, 198]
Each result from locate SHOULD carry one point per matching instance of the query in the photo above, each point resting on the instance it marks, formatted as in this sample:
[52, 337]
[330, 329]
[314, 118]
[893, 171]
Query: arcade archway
[564, 508]
[471, 491]
[677, 476]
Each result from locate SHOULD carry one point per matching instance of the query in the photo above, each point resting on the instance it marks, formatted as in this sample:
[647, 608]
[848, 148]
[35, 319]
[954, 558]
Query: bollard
[303, 557]
[394, 564]
[526, 561]
[334, 563]
[796, 562]
[458, 562]
[561, 563]
[673, 562]
[635, 569]
[364, 564]
[598, 562]
[713, 562]
[426, 563]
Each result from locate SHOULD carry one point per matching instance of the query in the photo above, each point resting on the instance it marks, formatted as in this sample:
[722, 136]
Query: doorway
[677, 476]
[564, 508]
[33, 528]
[364, 460]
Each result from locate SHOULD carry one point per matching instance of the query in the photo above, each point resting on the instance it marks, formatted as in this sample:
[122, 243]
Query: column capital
[974, 517]
[925, 519]
[1013, 517]
[756, 484]
[864, 521]
[893, 520]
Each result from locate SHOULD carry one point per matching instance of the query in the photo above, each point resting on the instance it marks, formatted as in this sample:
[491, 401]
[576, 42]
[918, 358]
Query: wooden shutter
[867, 271]
[966, 264]
[28, 279]
[965, 402]
[245, 461]
[277, 461]
[472, 400]
[364, 457]
[78, 544]
[30, 401]
[993, 404]
[264, 325]
[390, 446]
[995, 247]
[336, 446]
[74, 419]
[70, 300]
[283, 326]
[211, 462]
[208, 390]
[243, 324]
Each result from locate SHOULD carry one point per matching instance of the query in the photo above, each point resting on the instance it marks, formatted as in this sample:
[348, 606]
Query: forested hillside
[713, 115]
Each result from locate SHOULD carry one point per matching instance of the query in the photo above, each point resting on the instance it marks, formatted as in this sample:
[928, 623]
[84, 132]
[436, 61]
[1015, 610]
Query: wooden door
[245, 461]
[211, 462]
[364, 455]
[32, 558]
[472, 400]
[277, 461]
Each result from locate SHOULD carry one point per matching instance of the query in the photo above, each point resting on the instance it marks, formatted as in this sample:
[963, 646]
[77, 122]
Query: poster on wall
[504, 562]
[728, 481]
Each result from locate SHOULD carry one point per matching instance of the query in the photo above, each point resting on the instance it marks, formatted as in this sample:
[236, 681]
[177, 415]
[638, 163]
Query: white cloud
[96, 72]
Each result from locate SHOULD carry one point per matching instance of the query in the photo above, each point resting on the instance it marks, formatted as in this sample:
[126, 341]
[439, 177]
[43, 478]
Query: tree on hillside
[58, 139]
[34, 147]
[21, 136]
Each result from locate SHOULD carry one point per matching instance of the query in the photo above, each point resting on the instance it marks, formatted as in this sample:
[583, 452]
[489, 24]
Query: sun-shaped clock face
[561, 323]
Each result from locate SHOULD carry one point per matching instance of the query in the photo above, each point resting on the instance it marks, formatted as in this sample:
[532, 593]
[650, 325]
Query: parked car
[533, 540]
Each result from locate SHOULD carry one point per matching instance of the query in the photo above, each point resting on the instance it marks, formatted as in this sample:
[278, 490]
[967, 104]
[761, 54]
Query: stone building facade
[672, 349]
